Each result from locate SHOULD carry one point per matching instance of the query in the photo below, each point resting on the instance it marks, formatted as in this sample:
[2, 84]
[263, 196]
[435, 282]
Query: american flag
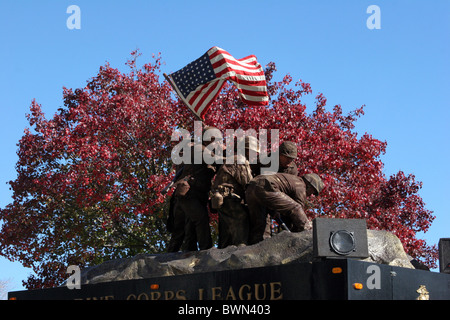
[199, 83]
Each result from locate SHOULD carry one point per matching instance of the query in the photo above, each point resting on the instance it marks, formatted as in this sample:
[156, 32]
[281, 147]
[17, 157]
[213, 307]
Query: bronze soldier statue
[228, 197]
[280, 194]
[190, 217]
[287, 155]
[176, 222]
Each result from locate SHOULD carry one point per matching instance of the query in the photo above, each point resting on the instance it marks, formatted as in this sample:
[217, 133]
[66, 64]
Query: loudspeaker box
[444, 255]
[340, 238]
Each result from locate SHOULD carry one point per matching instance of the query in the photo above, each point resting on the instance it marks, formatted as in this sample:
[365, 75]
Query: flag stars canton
[194, 74]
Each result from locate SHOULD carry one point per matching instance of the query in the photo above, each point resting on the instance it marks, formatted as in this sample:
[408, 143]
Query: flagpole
[180, 96]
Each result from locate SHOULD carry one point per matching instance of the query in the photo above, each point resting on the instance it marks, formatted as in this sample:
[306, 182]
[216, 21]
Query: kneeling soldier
[283, 194]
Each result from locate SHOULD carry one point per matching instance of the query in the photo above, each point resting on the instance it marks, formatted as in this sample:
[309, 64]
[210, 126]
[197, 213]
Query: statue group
[246, 200]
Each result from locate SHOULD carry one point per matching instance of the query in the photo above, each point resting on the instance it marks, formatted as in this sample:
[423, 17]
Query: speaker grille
[342, 242]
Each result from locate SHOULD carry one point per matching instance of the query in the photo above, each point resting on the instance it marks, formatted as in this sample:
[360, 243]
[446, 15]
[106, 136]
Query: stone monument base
[279, 268]
[281, 249]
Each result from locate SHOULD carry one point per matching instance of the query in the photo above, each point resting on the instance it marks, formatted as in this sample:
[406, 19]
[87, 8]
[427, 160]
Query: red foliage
[88, 180]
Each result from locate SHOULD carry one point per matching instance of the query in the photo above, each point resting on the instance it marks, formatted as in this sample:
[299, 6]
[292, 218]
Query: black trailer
[327, 279]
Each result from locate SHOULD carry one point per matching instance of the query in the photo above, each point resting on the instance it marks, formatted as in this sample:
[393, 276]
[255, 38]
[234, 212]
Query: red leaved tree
[89, 180]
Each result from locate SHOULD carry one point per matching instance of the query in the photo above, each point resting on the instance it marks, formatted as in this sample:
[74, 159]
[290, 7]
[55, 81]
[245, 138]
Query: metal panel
[329, 284]
[329, 279]
[285, 282]
[375, 279]
[411, 284]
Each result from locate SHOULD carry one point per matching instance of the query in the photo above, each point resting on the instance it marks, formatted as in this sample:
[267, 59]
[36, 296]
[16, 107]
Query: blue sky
[400, 72]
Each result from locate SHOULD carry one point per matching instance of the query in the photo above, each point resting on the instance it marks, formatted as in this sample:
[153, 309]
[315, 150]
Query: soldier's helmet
[315, 181]
[288, 149]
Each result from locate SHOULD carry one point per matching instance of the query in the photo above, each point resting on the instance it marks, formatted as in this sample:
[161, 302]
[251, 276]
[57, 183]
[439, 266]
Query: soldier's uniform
[228, 197]
[287, 149]
[190, 212]
[280, 193]
[291, 169]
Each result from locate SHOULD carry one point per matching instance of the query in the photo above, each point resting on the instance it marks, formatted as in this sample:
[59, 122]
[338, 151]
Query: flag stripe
[255, 102]
[194, 94]
[234, 64]
[245, 79]
[203, 95]
[208, 99]
[216, 62]
[252, 97]
[222, 59]
[218, 51]
[250, 60]
[225, 68]
[252, 93]
[252, 88]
